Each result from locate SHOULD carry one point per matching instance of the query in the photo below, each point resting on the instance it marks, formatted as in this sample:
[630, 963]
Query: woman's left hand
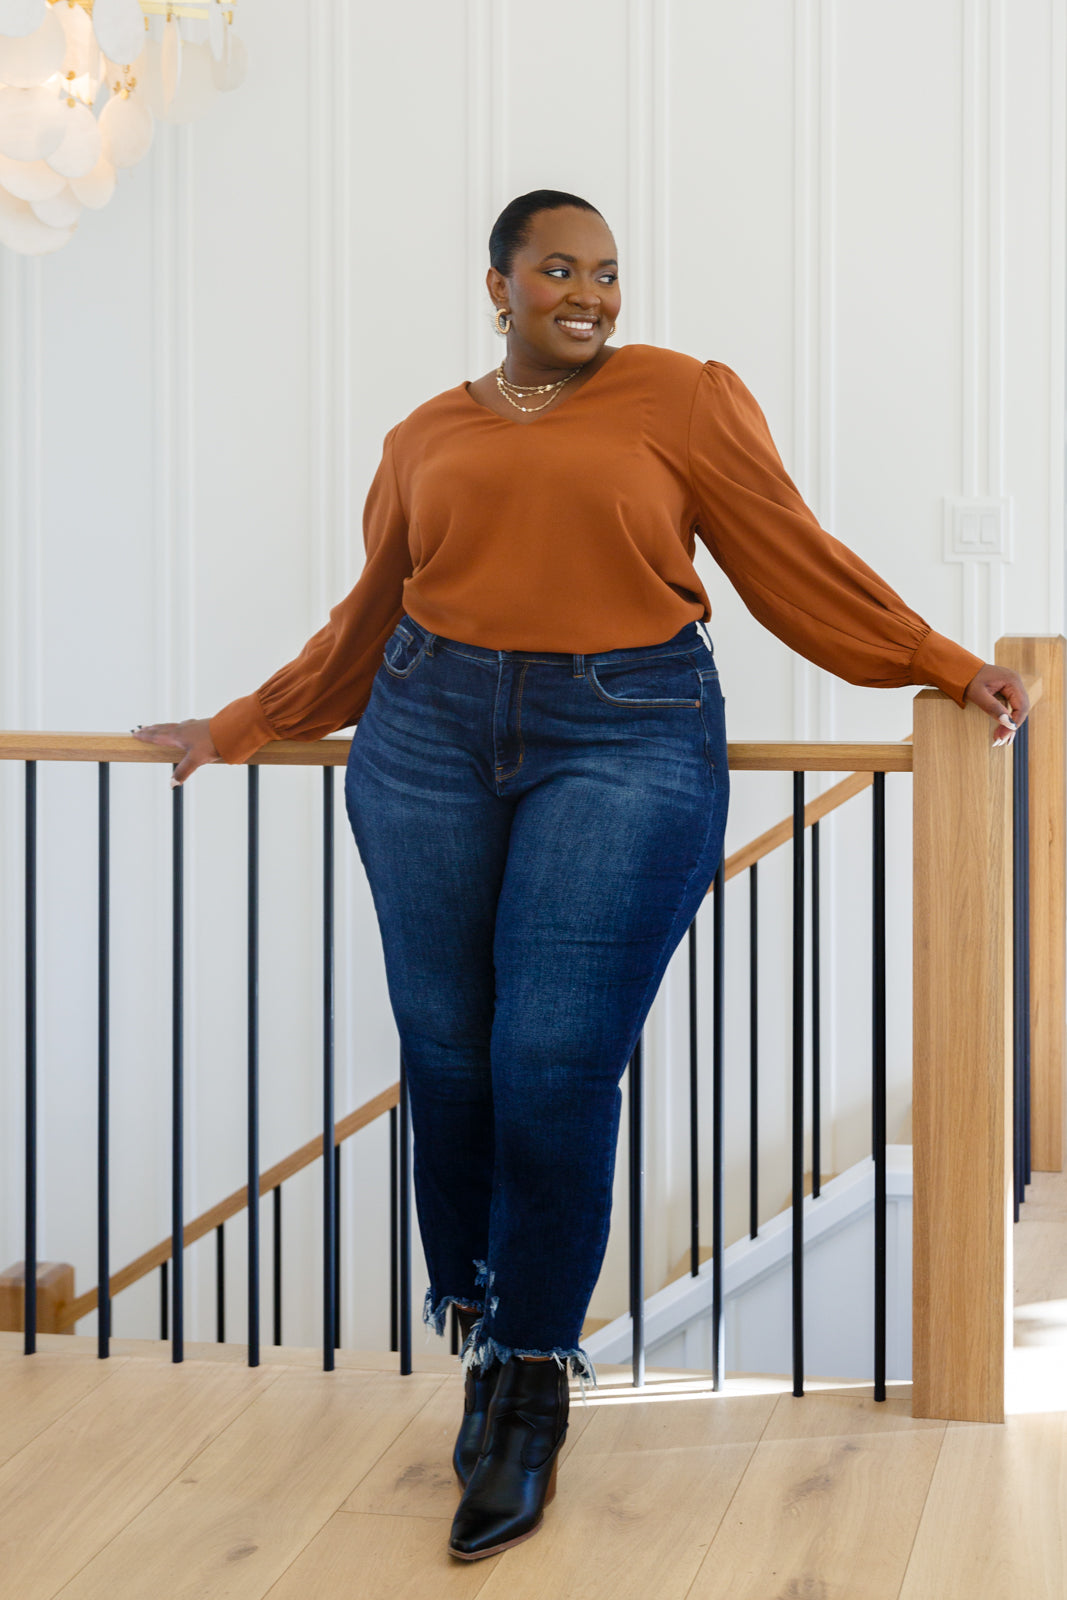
[983, 690]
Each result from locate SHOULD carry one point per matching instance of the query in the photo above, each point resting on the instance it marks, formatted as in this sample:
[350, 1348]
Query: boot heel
[550, 1492]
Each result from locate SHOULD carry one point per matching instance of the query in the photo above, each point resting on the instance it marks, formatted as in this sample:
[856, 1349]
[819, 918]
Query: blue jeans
[538, 831]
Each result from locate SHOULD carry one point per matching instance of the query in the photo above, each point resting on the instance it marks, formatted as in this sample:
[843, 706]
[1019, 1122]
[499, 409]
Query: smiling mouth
[580, 327]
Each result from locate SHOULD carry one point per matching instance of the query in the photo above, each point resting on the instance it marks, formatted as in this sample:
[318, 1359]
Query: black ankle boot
[478, 1389]
[515, 1475]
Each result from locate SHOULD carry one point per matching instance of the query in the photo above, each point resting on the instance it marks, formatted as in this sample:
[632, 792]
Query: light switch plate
[978, 530]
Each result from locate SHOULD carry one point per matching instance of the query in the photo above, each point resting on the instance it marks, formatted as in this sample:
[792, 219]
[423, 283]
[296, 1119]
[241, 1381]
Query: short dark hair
[512, 228]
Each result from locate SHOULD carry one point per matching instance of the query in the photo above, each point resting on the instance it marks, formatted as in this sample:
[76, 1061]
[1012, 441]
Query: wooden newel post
[55, 1295]
[1044, 657]
[962, 1041]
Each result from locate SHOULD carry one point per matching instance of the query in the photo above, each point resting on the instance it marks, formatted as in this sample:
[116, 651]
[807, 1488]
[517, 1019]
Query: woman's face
[563, 289]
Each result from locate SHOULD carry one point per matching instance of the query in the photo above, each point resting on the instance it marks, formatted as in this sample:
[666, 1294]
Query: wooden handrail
[363, 1115]
[759, 756]
[823, 804]
[15, 746]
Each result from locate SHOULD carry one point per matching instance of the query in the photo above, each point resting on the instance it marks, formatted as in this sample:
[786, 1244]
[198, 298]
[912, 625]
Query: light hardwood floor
[135, 1479]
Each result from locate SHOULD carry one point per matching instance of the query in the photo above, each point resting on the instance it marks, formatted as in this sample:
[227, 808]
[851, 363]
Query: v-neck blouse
[576, 533]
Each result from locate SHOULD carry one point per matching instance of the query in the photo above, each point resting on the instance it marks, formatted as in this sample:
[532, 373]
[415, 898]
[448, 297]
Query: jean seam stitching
[393, 673]
[504, 776]
[707, 732]
[637, 704]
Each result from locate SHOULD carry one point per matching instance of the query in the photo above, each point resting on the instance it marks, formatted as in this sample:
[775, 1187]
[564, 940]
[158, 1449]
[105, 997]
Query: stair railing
[976, 1034]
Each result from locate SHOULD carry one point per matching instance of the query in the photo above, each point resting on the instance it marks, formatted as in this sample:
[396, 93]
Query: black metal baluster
[29, 1282]
[798, 1083]
[103, 1057]
[718, 1371]
[879, 1086]
[753, 1051]
[394, 1230]
[220, 1284]
[252, 1112]
[329, 1193]
[164, 1299]
[276, 1243]
[637, 1213]
[1020, 968]
[1017, 1108]
[177, 1057]
[1016, 1042]
[1023, 736]
[404, 1251]
[816, 1022]
[694, 1107]
[337, 1246]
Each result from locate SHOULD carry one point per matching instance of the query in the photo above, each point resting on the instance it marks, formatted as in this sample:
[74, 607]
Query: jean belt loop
[431, 640]
[707, 635]
[579, 666]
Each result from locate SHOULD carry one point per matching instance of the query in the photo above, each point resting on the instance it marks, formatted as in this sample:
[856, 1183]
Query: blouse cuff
[945, 664]
[240, 729]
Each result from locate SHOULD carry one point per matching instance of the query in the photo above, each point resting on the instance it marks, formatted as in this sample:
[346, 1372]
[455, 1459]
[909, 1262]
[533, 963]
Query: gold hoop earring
[502, 322]
[611, 330]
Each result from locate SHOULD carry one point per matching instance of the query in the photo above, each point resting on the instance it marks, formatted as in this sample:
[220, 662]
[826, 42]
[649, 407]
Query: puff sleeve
[810, 590]
[328, 684]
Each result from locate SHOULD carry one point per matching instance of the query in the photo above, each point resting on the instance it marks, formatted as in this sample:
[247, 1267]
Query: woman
[538, 784]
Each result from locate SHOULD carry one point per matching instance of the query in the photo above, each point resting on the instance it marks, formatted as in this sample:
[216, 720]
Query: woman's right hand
[193, 736]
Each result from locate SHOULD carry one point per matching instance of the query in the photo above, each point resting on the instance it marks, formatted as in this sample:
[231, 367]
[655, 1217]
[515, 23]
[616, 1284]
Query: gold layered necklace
[515, 393]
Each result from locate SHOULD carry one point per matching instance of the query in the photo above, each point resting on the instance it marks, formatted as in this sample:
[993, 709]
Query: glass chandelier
[82, 84]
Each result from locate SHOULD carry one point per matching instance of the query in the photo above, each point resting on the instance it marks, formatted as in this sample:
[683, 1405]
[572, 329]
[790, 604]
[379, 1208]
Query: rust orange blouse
[577, 532]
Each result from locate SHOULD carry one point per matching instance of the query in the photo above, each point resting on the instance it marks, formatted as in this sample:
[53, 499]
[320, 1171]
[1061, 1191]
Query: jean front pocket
[642, 685]
[403, 651]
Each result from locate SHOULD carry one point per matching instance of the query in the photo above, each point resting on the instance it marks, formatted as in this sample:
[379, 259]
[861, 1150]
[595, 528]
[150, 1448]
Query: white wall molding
[645, 315]
[1056, 617]
[13, 655]
[814, 424]
[483, 131]
[983, 315]
[31, 530]
[322, 272]
[814, 355]
[172, 243]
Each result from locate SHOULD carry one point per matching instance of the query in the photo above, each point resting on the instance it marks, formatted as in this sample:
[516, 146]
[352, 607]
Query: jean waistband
[693, 636]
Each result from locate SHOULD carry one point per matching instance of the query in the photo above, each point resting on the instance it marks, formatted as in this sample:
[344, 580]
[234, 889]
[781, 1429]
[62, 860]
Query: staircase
[757, 1289]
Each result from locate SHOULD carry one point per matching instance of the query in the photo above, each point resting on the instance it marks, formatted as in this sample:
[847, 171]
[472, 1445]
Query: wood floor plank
[640, 1422]
[434, 1359]
[74, 1486]
[429, 1355]
[847, 1410]
[630, 1525]
[243, 1509]
[830, 1518]
[1040, 1267]
[414, 1477]
[638, 1501]
[382, 1558]
[994, 1524]
[36, 1390]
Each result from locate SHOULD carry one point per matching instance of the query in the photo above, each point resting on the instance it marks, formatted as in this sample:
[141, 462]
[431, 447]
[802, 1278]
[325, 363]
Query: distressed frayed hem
[479, 1351]
[435, 1316]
